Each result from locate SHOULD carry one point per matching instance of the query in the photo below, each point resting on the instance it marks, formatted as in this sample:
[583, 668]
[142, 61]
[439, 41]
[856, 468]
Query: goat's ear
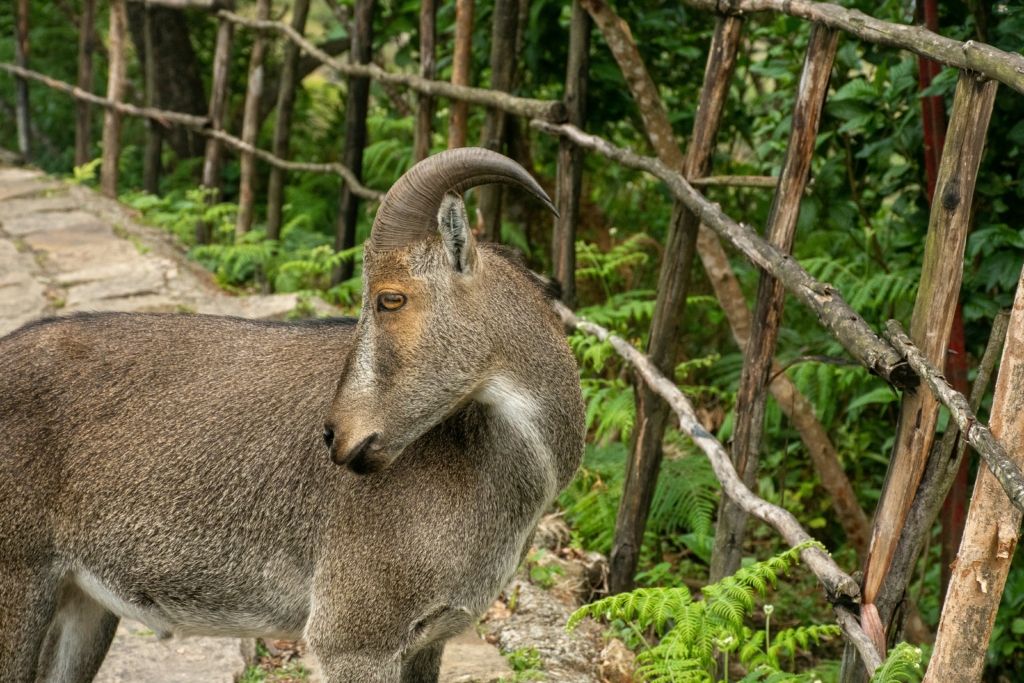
[459, 243]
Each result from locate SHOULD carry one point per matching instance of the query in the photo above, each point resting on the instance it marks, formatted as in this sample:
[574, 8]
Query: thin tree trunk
[283, 123]
[355, 135]
[428, 67]
[250, 125]
[504, 27]
[933, 109]
[83, 111]
[990, 536]
[21, 51]
[569, 182]
[219, 87]
[930, 326]
[780, 230]
[460, 71]
[154, 132]
[180, 83]
[652, 412]
[115, 92]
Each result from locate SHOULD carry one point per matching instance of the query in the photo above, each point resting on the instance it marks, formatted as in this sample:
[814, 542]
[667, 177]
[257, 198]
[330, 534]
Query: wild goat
[171, 468]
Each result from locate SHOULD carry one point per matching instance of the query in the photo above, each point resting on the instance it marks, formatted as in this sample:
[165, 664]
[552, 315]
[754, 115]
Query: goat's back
[120, 432]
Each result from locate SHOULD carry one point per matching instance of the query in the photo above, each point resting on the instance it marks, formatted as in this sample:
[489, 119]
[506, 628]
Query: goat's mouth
[365, 457]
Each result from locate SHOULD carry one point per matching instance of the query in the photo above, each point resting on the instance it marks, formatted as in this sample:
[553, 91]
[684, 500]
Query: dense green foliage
[692, 634]
[861, 227]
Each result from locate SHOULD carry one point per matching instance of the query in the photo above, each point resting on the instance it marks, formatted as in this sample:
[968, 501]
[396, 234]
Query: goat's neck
[523, 415]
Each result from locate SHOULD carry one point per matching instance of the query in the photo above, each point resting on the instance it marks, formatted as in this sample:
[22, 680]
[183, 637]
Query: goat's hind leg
[78, 638]
[28, 599]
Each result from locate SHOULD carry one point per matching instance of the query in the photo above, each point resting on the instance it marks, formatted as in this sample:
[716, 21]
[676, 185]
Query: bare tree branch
[201, 124]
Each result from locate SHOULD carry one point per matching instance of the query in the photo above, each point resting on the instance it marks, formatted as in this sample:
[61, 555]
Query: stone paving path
[64, 248]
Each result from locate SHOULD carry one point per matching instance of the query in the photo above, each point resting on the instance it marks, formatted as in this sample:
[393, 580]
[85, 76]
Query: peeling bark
[990, 536]
[932, 319]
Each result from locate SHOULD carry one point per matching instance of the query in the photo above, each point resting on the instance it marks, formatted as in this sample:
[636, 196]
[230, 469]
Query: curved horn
[408, 212]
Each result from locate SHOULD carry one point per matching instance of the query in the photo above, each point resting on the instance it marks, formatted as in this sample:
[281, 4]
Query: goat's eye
[390, 301]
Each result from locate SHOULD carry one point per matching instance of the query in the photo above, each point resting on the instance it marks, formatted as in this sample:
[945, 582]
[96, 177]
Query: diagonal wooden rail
[200, 124]
[845, 324]
[547, 110]
[758, 251]
[840, 588]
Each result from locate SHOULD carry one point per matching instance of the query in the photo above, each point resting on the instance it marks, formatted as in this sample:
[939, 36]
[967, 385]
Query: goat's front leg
[424, 666]
[357, 667]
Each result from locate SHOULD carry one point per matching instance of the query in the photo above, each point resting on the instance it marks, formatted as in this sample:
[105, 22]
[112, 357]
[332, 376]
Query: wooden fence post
[154, 131]
[990, 535]
[780, 230]
[652, 412]
[83, 112]
[930, 326]
[355, 135]
[219, 86]
[283, 121]
[21, 50]
[460, 71]
[250, 125]
[115, 92]
[569, 178]
[428, 68]
[933, 122]
[504, 27]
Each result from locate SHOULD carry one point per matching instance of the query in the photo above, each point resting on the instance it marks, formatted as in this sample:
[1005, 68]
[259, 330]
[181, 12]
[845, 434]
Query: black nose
[328, 437]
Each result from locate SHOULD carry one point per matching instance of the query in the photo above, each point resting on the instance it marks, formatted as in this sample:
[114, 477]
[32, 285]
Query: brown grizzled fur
[172, 468]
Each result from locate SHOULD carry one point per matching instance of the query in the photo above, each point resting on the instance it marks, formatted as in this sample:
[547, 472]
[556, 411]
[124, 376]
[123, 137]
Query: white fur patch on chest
[520, 412]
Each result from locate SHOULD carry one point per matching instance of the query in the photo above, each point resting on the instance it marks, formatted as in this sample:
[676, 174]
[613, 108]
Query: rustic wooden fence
[919, 476]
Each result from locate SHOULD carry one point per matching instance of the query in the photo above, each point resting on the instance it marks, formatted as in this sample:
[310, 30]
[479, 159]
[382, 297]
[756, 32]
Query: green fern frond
[902, 666]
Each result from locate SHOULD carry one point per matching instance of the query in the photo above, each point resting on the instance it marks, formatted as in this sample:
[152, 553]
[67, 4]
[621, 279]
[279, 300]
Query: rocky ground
[65, 249]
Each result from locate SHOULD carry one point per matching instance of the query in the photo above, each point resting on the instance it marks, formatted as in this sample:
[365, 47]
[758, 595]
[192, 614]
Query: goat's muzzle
[362, 458]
